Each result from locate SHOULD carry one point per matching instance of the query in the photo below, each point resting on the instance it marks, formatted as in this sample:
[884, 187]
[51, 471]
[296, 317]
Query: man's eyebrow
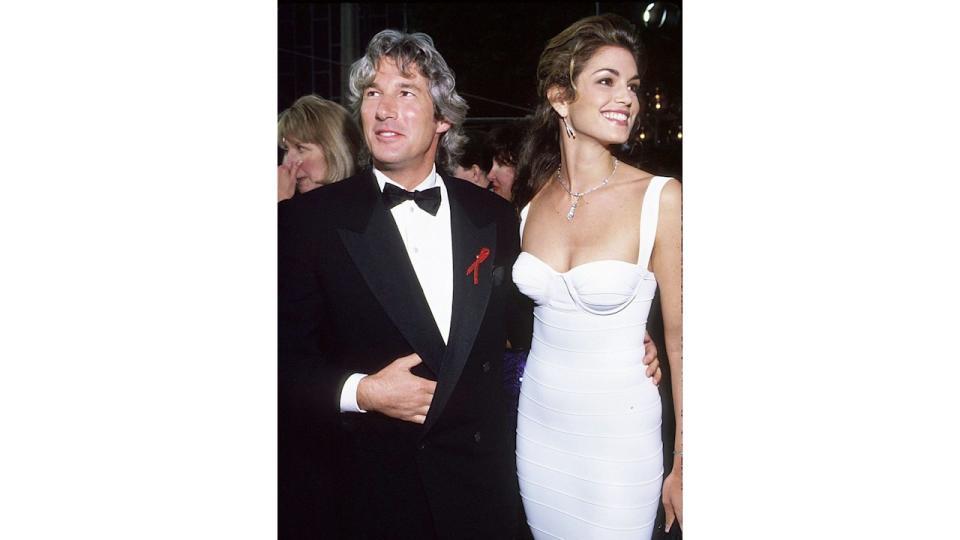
[402, 86]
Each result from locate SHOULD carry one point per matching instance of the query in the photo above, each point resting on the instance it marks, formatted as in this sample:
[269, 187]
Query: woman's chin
[306, 185]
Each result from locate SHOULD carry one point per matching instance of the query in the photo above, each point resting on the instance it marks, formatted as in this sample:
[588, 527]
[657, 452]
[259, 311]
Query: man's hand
[396, 392]
[650, 359]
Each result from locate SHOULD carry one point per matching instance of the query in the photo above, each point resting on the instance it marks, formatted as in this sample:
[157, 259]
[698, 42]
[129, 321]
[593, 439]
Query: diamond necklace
[579, 195]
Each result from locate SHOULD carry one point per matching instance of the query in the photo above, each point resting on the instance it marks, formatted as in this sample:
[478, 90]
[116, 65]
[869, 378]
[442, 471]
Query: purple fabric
[513, 364]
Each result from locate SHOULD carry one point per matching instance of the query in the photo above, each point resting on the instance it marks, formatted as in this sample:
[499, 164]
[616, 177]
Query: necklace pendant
[573, 209]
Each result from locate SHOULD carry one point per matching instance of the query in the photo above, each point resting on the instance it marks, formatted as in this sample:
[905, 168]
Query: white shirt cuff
[348, 396]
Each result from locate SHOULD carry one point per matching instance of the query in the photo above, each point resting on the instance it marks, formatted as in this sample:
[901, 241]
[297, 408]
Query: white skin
[402, 133]
[399, 126]
[286, 181]
[304, 167]
[607, 221]
[474, 175]
[502, 177]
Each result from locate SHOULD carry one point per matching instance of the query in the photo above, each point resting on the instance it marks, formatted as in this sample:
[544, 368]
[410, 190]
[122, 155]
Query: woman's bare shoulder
[632, 181]
[672, 191]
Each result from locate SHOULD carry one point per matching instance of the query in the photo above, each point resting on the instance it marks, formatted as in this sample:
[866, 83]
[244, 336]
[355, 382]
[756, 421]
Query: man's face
[474, 175]
[398, 120]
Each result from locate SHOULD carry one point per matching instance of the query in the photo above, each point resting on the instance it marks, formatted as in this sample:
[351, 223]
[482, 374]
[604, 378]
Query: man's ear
[557, 100]
[442, 126]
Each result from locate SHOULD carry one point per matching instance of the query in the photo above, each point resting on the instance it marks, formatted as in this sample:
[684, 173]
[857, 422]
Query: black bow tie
[428, 199]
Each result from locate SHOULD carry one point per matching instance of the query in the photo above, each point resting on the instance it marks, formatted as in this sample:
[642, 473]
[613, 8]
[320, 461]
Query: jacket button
[422, 446]
[486, 367]
[476, 436]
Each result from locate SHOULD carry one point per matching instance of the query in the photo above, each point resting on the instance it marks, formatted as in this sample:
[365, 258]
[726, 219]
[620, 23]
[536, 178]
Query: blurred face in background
[312, 172]
[501, 179]
[474, 174]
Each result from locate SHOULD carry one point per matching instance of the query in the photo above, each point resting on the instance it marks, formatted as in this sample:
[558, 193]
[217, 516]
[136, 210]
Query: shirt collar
[432, 180]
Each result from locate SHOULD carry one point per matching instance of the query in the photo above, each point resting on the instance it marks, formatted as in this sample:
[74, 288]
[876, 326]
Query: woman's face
[312, 172]
[501, 179]
[607, 103]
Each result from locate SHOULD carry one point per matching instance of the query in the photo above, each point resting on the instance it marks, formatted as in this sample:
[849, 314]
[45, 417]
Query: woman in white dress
[598, 237]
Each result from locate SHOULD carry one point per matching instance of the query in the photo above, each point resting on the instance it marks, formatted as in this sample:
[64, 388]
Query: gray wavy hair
[408, 51]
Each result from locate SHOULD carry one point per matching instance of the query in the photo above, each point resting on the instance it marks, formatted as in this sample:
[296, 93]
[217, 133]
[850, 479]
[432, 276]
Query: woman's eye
[605, 82]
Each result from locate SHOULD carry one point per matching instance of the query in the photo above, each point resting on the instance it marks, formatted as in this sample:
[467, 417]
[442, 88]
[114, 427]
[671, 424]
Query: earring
[570, 132]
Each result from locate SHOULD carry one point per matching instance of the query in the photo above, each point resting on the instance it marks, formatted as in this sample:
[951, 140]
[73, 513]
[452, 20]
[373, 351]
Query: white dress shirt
[430, 248]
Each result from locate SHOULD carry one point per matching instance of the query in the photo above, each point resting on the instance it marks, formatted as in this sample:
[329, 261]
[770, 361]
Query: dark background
[493, 48]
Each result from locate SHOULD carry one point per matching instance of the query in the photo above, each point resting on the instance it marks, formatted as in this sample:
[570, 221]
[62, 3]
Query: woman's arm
[666, 262]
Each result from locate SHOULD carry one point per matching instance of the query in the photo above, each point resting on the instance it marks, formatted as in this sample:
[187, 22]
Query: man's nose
[386, 108]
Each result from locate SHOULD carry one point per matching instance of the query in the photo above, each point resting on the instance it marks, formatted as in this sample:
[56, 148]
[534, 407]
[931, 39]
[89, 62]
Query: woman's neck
[584, 165]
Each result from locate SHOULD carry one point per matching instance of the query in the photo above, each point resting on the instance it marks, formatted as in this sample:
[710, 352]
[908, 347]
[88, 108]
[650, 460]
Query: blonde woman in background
[321, 144]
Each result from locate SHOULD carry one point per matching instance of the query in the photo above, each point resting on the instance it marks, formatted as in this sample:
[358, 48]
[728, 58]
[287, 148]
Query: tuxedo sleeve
[309, 380]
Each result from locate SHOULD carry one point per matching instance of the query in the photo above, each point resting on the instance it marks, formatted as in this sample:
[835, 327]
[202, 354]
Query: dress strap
[649, 216]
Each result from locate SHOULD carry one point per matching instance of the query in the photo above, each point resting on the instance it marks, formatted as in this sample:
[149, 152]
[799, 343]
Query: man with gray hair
[393, 285]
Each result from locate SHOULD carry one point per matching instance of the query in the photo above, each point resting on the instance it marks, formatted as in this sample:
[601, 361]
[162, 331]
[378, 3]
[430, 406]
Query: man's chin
[388, 163]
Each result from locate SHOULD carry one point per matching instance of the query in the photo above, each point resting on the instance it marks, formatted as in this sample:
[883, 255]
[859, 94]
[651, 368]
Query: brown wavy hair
[560, 63]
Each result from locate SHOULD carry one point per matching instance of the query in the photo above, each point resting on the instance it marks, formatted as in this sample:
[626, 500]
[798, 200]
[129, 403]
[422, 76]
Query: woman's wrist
[677, 462]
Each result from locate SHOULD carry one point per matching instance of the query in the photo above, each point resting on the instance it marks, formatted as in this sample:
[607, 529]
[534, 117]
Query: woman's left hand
[673, 498]
[650, 359]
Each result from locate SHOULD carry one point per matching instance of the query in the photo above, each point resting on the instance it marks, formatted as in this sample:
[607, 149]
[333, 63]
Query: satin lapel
[378, 252]
[469, 300]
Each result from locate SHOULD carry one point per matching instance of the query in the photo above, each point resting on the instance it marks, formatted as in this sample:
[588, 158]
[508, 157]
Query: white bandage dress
[589, 454]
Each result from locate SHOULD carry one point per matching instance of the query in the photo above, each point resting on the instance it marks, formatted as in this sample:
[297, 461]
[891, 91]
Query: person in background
[475, 161]
[321, 144]
[505, 142]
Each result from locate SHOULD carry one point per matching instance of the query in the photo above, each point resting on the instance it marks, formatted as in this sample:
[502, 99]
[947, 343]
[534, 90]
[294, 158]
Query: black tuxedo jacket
[349, 301]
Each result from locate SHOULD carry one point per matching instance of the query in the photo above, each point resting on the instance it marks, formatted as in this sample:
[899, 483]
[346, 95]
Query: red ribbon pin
[475, 267]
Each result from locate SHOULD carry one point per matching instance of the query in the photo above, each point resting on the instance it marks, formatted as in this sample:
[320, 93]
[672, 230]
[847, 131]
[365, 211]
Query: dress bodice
[602, 287]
